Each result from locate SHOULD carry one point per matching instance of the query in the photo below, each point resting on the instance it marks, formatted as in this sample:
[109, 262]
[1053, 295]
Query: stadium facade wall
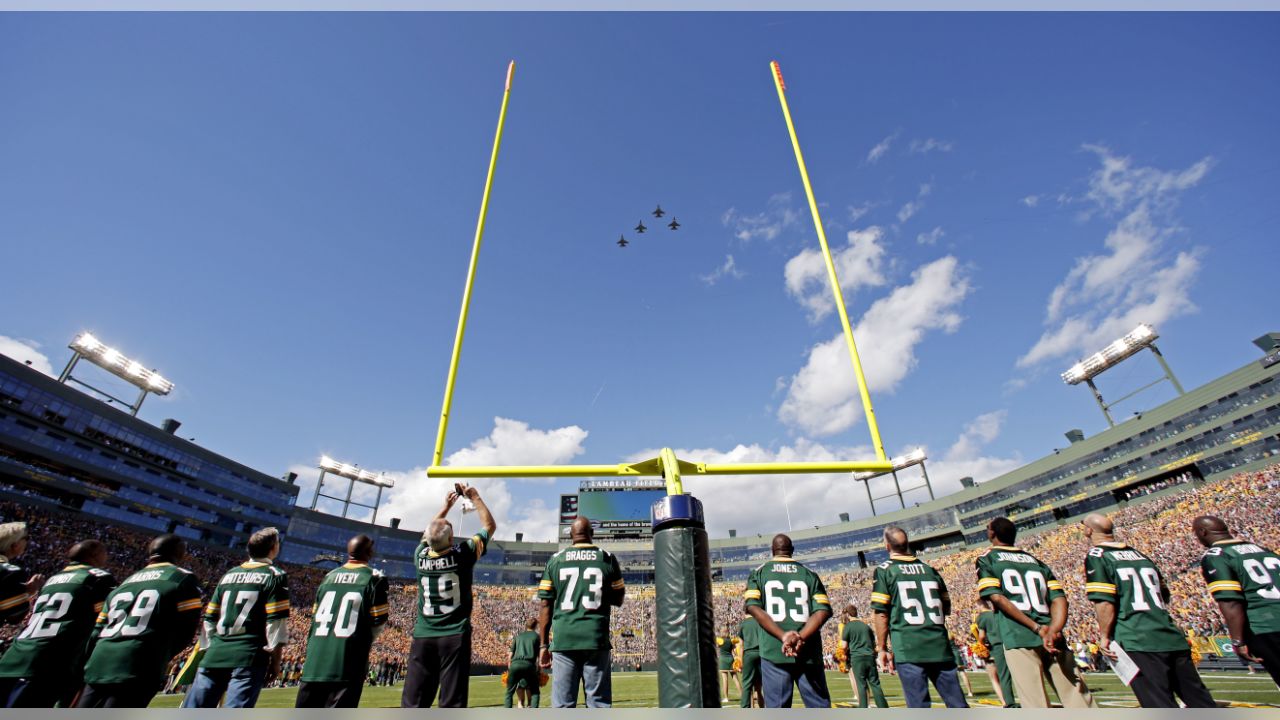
[69, 448]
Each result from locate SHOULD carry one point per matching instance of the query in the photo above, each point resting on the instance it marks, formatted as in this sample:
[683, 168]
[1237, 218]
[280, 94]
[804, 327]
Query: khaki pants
[1029, 666]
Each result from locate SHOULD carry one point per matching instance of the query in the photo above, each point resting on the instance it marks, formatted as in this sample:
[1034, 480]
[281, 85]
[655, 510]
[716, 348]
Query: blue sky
[276, 211]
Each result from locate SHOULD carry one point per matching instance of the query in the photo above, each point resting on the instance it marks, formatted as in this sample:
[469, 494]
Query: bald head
[1210, 529]
[781, 546]
[1098, 528]
[895, 538]
[360, 548]
[88, 552]
[580, 530]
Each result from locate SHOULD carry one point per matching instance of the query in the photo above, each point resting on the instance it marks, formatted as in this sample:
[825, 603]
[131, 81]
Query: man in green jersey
[525, 648]
[43, 665]
[1244, 579]
[989, 634]
[17, 586]
[440, 657]
[144, 623]
[579, 587]
[1033, 610]
[725, 655]
[859, 643]
[911, 604]
[1129, 597]
[749, 649]
[349, 613]
[246, 626]
[790, 603]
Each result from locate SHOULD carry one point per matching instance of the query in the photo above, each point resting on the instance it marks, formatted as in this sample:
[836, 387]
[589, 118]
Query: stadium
[73, 466]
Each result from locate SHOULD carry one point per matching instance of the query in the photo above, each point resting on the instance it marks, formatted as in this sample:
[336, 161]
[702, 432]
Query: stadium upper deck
[67, 447]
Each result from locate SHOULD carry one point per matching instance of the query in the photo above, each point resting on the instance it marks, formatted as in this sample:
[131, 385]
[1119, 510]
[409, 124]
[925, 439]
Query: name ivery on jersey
[346, 578]
[572, 555]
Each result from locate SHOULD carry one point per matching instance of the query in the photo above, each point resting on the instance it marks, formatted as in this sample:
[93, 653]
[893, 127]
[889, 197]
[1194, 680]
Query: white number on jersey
[1265, 572]
[592, 579]
[46, 615]
[129, 615]
[775, 600]
[450, 591]
[348, 614]
[913, 610]
[1138, 577]
[245, 600]
[1026, 590]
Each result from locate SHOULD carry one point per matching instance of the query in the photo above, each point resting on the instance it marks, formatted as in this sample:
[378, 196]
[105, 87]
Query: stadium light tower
[1135, 341]
[90, 348]
[355, 475]
[901, 462]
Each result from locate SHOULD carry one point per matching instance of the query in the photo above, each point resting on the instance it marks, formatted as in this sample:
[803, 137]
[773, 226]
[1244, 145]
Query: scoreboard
[618, 508]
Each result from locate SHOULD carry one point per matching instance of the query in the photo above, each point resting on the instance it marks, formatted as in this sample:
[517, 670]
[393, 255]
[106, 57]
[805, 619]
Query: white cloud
[728, 269]
[965, 459]
[931, 237]
[857, 211]
[812, 499]
[1030, 200]
[26, 351]
[767, 225]
[928, 145]
[858, 265]
[913, 207]
[822, 398]
[416, 498]
[1136, 279]
[882, 147]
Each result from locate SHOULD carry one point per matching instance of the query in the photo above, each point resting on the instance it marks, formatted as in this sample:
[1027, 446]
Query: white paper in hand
[1124, 666]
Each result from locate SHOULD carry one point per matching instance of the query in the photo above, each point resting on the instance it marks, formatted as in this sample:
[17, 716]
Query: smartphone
[457, 487]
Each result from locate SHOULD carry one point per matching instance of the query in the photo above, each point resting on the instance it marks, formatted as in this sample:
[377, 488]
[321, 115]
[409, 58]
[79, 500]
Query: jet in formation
[673, 224]
[622, 241]
[658, 212]
[641, 228]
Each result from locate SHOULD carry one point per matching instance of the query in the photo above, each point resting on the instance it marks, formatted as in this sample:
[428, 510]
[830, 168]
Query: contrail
[593, 400]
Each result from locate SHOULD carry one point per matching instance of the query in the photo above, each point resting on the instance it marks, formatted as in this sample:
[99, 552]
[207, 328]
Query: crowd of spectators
[1159, 526]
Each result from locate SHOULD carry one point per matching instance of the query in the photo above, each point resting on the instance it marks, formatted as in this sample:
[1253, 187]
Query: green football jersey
[144, 622]
[237, 616]
[915, 598]
[62, 617]
[579, 581]
[724, 646]
[1239, 570]
[350, 603]
[988, 621]
[1026, 582]
[14, 600]
[858, 638]
[1118, 574]
[749, 632]
[525, 647]
[789, 593]
[444, 586]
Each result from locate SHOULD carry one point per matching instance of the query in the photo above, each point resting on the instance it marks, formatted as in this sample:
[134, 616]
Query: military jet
[659, 212]
[641, 228]
[622, 242]
[673, 224]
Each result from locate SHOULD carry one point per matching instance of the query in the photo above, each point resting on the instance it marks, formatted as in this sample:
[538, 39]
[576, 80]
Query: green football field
[641, 690]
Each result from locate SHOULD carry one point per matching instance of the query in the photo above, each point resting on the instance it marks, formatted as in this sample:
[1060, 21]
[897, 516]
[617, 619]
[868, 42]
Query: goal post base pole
[685, 617]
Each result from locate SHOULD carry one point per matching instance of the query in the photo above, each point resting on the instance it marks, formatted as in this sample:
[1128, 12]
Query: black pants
[442, 663]
[330, 694]
[1165, 674]
[136, 694]
[1266, 647]
[36, 692]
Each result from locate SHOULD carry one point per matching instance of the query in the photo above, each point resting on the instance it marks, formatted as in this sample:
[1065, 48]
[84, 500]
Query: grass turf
[632, 689]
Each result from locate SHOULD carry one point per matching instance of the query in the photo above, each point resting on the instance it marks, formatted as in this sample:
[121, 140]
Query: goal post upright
[776, 71]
